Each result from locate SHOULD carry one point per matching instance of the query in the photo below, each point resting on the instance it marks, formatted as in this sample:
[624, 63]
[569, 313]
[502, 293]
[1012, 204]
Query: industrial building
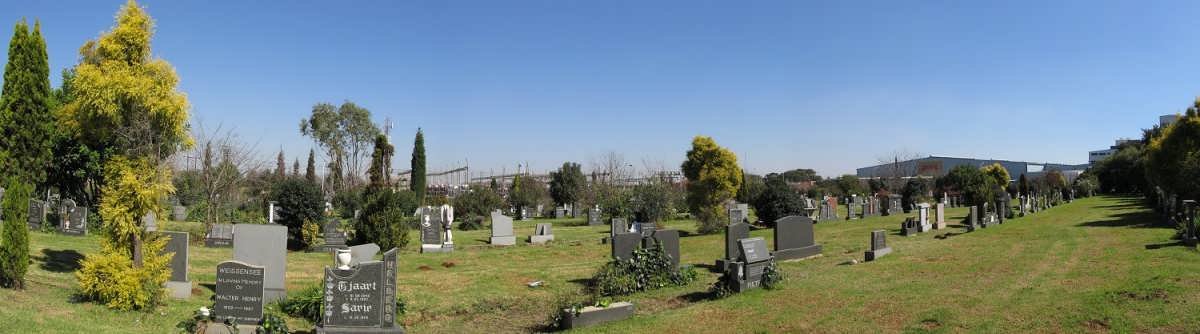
[936, 166]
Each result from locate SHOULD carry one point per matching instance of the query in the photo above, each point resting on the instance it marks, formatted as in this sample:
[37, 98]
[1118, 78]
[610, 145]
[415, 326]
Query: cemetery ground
[1100, 264]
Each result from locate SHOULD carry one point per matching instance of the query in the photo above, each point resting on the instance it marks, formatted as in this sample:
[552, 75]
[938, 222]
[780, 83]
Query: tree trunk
[135, 244]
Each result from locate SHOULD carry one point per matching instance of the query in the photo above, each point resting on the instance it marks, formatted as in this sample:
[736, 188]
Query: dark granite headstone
[240, 292]
[618, 226]
[910, 227]
[219, 235]
[645, 229]
[733, 233]
[177, 244]
[334, 238]
[431, 231]
[361, 299]
[794, 238]
[74, 221]
[623, 245]
[972, 218]
[669, 239]
[879, 246]
[594, 217]
[37, 214]
[753, 259]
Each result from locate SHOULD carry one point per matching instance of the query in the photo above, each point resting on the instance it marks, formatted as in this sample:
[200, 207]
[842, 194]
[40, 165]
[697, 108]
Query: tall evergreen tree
[296, 167]
[310, 173]
[14, 235]
[26, 122]
[381, 163]
[418, 167]
[280, 165]
[566, 184]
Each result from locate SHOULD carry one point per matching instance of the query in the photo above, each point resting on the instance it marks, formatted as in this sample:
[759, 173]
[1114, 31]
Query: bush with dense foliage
[111, 278]
[914, 192]
[713, 178]
[567, 184]
[527, 192]
[647, 269]
[297, 201]
[975, 187]
[651, 201]
[778, 200]
[386, 218]
[14, 235]
[478, 202]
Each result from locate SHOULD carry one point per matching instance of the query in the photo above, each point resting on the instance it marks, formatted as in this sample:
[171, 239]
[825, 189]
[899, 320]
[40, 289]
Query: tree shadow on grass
[1166, 244]
[584, 282]
[698, 296]
[1140, 219]
[210, 286]
[61, 261]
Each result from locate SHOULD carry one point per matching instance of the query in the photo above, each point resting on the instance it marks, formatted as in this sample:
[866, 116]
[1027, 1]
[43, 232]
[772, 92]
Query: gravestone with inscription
[645, 229]
[733, 233]
[623, 245]
[753, 259]
[794, 238]
[334, 238]
[738, 212]
[37, 214]
[972, 218]
[618, 226]
[361, 299]
[502, 230]
[264, 245]
[593, 216]
[668, 240]
[431, 230]
[541, 234]
[219, 235]
[239, 293]
[879, 246]
[179, 213]
[827, 211]
[178, 285]
[74, 219]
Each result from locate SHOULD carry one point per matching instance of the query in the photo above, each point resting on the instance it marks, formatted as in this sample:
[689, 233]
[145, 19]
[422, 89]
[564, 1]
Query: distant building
[1096, 156]
[936, 166]
[1166, 120]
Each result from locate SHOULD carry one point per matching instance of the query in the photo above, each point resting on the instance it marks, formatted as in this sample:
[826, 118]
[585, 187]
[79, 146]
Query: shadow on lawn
[1138, 219]
[61, 261]
[1165, 245]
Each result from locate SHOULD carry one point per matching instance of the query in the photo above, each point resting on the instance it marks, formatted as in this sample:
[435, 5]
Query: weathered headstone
[219, 235]
[179, 213]
[594, 217]
[361, 299]
[150, 222]
[623, 245]
[37, 214]
[618, 226]
[264, 245]
[753, 258]
[560, 212]
[738, 212]
[733, 233]
[669, 240]
[240, 292]
[972, 217]
[363, 253]
[178, 285]
[794, 238]
[940, 212]
[502, 230]
[879, 246]
[541, 234]
[827, 211]
[334, 238]
[645, 229]
[74, 219]
[431, 230]
[923, 224]
[909, 227]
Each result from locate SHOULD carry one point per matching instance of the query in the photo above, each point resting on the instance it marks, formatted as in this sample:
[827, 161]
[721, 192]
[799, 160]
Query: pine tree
[310, 173]
[14, 236]
[381, 163]
[280, 165]
[26, 123]
[296, 167]
[418, 167]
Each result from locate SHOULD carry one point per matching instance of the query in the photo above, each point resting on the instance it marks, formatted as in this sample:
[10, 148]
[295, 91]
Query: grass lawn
[1096, 265]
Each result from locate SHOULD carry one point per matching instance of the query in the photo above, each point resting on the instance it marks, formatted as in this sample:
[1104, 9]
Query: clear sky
[828, 85]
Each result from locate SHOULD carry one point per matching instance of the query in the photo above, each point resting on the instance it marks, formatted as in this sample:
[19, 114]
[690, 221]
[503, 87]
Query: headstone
[623, 245]
[753, 258]
[361, 299]
[972, 217]
[179, 213]
[240, 292]
[894, 204]
[334, 238]
[560, 212]
[219, 235]
[541, 235]
[618, 226]
[879, 246]
[74, 219]
[37, 214]
[431, 230]
[909, 227]
[794, 238]
[178, 285]
[940, 212]
[1189, 234]
[827, 211]
[150, 222]
[850, 215]
[669, 239]
[363, 253]
[733, 233]
[502, 230]
[594, 217]
[264, 245]
[645, 229]
[738, 212]
[923, 218]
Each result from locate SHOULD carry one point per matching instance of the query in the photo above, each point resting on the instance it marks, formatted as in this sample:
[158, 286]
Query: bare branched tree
[896, 169]
[224, 164]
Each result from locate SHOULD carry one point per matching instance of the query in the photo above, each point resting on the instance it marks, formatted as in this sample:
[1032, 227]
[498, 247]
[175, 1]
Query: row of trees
[1166, 158]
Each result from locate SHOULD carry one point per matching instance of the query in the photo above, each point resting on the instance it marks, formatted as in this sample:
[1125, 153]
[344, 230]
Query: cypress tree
[14, 235]
[381, 164]
[418, 167]
[310, 172]
[26, 124]
[280, 166]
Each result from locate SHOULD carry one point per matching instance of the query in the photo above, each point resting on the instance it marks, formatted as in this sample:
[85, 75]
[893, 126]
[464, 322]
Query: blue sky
[829, 85]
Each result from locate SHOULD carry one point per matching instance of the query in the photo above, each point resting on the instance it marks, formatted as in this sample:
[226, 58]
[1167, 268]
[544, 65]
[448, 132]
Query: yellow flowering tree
[713, 177]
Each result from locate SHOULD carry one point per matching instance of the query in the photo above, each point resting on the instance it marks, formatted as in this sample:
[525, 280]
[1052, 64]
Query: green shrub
[778, 200]
[471, 223]
[651, 202]
[386, 218]
[110, 278]
[723, 287]
[307, 304]
[309, 232]
[648, 269]
[347, 201]
[297, 201]
[272, 324]
[199, 323]
[14, 235]
[480, 201]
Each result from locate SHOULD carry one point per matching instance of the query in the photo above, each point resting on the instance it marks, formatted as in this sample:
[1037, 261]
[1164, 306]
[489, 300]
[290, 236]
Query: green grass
[1080, 267]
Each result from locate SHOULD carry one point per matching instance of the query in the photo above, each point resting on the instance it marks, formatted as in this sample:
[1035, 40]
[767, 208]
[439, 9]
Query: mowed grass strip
[1079, 267]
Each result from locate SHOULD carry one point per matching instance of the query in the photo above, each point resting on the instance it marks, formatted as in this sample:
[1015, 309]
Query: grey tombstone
[972, 217]
[431, 230]
[753, 259]
[794, 238]
[879, 246]
[923, 224]
[264, 245]
[541, 234]
[1189, 235]
[618, 226]
[37, 214]
[850, 210]
[623, 245]
[240, 292]
[178, 285]
[940, 219]
[361, 299]
[219, 235]
[179, 213]
[668, 240]
[150, 222]
[733, 233]
[502, 230]
[593, 216]
[827, 211]
[74, 220]
[645, 229]
[738, 212]
[334, 238]
[560, 212]
[909, 227]
[363, 253]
